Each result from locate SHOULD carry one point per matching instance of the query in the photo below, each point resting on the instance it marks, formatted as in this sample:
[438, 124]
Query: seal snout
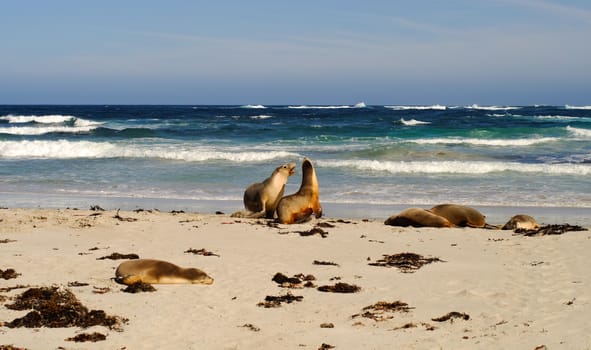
[292, 168]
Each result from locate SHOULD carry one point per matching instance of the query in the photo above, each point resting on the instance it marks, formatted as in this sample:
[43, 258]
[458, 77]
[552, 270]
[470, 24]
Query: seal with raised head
[417, 217]
[158, 272]
[298, 207]
[460, 215]
[261, 198]
[521, 221]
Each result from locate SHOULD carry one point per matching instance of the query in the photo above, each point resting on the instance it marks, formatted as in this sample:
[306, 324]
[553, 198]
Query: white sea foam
[360, 105]
[263, 116]
[579, 131]
[405, 108]
[64, 149]
[43, 119]
[556, 117]
[413, 122]
[254, 106]
[492, 108]
[32, 130]
[318, 107]
[456, 167]
[577, 107]
[485, 142]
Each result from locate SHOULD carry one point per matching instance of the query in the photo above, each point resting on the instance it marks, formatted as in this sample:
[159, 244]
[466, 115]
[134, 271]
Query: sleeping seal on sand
[158, 272]
[417, 217]
[261, 199]
[298, 207]
[521, 221]
[460, 215]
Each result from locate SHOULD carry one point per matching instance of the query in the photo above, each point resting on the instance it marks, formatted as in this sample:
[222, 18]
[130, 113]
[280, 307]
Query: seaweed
[120, 218]
[119, 256]
[11, 347]
[7, 240]
[340, 288]
[55, 307]
[77, 284]
[378, 310]
[406, 262]
[275, 301]
[251, 327]
[295, 281]
[96, 208]
[327, 325]
[325, 346]
[8, 274]
[313, 231]
[549, 230]
[201, 252]
[450, 316]
[325, 263]
[84, 337]
[139, 287]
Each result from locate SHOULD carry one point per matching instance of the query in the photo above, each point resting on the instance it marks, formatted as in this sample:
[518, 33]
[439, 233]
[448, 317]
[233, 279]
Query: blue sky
[286, 52]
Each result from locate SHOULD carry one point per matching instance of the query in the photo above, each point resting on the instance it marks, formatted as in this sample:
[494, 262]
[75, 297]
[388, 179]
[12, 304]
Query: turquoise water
[533, 156]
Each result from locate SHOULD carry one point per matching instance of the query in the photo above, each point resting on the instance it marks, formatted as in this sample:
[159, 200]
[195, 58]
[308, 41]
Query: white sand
[520, 292]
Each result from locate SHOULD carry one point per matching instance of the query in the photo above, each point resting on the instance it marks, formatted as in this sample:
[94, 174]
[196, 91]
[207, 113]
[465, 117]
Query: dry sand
[519, 292]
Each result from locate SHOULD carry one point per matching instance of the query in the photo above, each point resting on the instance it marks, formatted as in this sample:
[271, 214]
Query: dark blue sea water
[538, 156]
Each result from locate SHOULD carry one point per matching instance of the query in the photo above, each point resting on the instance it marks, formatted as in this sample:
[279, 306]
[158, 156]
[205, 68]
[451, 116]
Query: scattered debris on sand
[7, 240]
[56, 307]
[120, 218]
[251, 327]
[297, 281]
[406, 262]
[549, 230]
[77, 284]
[275, 301]
[9, 274]
[202, 251]
[326, 263]
[451, 316]
[325, 346]
[340, 288]
[313, 231]
[119, 256]
[378, 311]
[84, 337]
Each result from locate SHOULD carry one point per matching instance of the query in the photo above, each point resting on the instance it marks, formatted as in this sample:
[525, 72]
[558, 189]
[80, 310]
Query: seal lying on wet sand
[460, 215]
[417, 217]
[298, 207]
[521, 221]
[158, 272]
[261, 199]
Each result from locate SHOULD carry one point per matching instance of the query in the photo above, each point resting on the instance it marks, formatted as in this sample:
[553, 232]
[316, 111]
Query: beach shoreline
[517, 291]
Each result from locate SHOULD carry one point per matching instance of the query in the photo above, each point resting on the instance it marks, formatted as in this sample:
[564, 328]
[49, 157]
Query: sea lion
[521, 221]
[460, 215]
[261, 199]
[417, 217]
[298, 207]
[158, 272]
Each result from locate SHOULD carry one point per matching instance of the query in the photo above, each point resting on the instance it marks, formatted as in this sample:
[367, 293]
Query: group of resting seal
[265, 199]
[455, 215]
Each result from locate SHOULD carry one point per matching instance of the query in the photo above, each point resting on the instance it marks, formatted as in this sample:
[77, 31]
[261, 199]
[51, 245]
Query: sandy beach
[498, 289]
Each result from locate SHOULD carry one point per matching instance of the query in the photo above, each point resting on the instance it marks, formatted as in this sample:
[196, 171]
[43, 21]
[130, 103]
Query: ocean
[370, 160]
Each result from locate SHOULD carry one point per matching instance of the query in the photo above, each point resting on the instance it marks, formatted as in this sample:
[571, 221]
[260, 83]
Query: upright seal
[298, 207]
[158, 272]
[261, 199]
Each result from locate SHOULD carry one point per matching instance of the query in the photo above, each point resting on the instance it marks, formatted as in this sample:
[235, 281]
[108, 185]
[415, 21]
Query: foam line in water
[456, 167]
[577, 107]
[420, 108]
[485, 142]
[492, 108]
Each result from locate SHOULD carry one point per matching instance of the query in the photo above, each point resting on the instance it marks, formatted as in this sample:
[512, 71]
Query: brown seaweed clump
[84, 337]
[11, 347]
[451, 316]
[202, 251]
[119, 256]
[8, 274]
[275, 301]
[549, 230]
[313, 231]
[295, 281]
[377, 311]
[139, 287]
[55, 307]
[406, 262]
[340, 288]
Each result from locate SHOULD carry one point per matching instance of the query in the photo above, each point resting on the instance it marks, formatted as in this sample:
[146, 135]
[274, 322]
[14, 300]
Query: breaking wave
[254, 106]
[579, 131]
[492, 108]
[64, 149]
[577, 107]
[485, 142]
[421, 108]
[412, 122]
